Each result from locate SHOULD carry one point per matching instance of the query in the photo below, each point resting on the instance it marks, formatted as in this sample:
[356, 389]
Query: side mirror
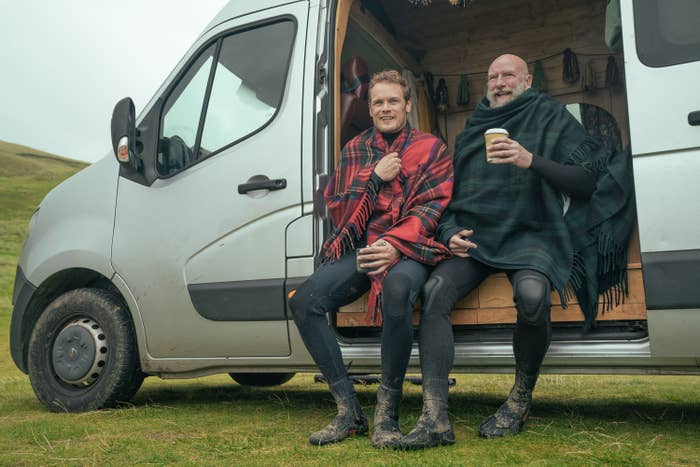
[124, 132]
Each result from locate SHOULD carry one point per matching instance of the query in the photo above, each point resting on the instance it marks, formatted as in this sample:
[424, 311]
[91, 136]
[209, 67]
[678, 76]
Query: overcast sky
[64, 64]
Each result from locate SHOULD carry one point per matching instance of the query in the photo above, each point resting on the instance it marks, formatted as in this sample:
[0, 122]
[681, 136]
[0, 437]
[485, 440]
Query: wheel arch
[51, 288]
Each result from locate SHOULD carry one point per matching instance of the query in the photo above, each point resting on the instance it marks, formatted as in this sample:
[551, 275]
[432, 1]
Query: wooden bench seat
[492, 302]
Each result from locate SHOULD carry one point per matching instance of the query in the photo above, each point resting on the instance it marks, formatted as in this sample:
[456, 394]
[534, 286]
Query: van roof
[236, 8]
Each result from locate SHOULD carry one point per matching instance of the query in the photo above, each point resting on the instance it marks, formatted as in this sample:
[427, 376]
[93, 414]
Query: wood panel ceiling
[488, 27]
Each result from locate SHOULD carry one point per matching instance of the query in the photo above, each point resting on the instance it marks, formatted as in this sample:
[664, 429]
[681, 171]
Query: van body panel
[667, 193]
[299, 241]
[197, 218]
[298, 360]
[633, 356]
[659, 98]
[674, 333]
[135, 311]
[300, 267]
[237, 8]
[20, 324]
[73, 228]
[666, 150]
[670, 279]
[257, 248]
[257, 300]
[256, 335]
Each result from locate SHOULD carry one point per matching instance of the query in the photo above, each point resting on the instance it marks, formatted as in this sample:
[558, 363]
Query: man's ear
[528, 80]
[409, 104]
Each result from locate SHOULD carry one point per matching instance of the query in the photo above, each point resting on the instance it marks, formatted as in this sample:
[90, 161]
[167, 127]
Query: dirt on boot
[349, 421]
[386, 433]
[340, 428]
[433, 428]
[510, 417]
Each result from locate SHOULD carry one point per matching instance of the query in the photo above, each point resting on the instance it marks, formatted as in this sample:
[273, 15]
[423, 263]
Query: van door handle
[694, 118]
[261, 182]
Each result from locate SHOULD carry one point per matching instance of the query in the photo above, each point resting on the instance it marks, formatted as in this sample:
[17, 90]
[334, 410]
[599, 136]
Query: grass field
[632, 420]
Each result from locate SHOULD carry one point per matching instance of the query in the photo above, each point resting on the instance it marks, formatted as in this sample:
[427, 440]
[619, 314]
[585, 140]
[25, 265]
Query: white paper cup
[490, 135]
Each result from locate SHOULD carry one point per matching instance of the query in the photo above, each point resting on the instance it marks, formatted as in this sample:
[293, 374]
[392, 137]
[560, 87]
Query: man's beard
[514, 94]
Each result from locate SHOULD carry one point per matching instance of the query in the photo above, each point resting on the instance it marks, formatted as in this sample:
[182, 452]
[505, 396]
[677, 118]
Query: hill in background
[17, 160]
[26, 175]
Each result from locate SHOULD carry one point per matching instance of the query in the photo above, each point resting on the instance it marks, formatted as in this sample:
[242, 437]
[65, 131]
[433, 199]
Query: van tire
[261, 379]
[83, 354]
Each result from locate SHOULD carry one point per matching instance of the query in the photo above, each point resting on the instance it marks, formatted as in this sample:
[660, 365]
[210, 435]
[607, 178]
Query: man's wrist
[376, 180]
[535, 162]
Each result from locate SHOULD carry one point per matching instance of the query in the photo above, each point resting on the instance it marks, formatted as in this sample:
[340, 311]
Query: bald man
[506, 215]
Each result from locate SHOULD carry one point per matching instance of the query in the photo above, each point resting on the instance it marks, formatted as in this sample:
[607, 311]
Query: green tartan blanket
[518, 218]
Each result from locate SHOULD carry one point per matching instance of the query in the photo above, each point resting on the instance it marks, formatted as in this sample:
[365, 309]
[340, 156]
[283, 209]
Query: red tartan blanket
[404, 212]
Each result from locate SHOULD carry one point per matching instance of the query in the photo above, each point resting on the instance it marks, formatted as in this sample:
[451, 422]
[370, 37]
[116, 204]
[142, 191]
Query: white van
[175, 258]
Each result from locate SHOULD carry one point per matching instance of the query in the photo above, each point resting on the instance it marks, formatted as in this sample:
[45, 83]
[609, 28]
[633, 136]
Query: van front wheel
[261, 379]
[83, 354]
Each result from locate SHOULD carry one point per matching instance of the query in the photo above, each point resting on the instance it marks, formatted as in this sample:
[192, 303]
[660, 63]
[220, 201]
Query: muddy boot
[433, 427]
[511, 416]
[349, 421]
[386, 418]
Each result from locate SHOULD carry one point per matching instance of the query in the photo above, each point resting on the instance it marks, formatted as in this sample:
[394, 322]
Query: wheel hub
[80, 352]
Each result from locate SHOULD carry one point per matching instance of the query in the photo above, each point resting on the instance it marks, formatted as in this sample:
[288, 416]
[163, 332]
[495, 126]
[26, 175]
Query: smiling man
[384, 198]
[508, 215]
[508, 78]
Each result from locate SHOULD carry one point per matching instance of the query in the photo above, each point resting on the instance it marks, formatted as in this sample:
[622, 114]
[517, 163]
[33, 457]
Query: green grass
[592, 420]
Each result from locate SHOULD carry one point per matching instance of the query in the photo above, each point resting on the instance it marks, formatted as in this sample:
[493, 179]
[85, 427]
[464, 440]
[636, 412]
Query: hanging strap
[570, 71]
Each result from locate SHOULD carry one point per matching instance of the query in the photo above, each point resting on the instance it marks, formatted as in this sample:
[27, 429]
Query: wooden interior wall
[456, 40]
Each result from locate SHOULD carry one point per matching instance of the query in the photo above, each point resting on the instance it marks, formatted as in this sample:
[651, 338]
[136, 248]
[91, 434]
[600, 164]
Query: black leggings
[337, 284]
[455, 278]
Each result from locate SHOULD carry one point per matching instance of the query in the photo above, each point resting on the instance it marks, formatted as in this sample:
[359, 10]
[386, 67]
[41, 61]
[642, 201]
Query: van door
[662, 63]
[203, 247]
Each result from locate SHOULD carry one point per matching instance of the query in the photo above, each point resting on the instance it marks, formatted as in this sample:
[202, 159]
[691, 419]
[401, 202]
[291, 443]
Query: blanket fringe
[613, 284]
[612, 271]
[373, 316]
[347, 238]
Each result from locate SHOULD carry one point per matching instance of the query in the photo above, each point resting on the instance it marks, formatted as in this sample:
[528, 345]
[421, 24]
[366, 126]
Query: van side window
[667, 31]
[231, 91]
[181, 116]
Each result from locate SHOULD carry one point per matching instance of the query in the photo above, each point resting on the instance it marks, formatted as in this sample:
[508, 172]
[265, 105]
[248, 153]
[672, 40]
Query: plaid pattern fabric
[404, 212]
[517, 216]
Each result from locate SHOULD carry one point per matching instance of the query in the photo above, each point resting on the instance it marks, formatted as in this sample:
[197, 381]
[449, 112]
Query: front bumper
[19, 332]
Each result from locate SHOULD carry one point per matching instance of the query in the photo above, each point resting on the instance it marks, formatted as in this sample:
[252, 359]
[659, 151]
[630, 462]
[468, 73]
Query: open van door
[202, 245]
[662, 63]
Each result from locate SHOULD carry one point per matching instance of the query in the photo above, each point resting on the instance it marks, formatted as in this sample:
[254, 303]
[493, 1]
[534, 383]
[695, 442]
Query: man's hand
[509, 151]
[377, 257]
[388, 166]
[459, 243]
